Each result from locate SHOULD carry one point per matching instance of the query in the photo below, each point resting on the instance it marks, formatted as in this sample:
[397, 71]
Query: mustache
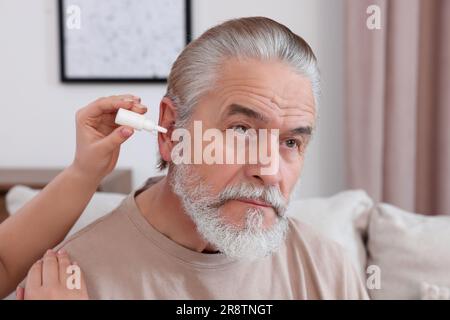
[271, 195]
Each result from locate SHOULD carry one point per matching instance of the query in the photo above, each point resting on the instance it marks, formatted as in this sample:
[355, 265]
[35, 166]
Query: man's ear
[167, 117]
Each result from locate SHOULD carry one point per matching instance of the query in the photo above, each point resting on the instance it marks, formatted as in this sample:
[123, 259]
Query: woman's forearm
[41, 224]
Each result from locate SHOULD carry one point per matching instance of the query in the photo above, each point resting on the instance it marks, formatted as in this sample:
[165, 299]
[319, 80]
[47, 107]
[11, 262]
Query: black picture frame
[64, 78]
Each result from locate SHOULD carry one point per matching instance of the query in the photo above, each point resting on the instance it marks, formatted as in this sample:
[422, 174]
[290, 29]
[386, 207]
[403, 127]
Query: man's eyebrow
[301, 131]
[238, 109]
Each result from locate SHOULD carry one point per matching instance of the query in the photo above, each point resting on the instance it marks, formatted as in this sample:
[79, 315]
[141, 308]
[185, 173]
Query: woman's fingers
[44, 282]
[34, 278]
[127, 96]
[103, 119]
[64, 264]
[50, 269]
[115, 136]
[139, 108]
[113, 141]
[99, 137]
[108, 120]
[108, 105]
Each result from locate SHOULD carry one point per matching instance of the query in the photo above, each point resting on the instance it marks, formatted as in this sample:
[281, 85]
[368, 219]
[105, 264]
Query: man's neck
[163, 210]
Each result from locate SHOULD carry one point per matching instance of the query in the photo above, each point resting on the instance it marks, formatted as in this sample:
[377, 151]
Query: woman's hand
[99, 138]
[48, 217]
[48, 279]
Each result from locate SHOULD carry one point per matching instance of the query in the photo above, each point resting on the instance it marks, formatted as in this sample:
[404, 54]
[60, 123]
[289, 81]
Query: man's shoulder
[303, 234]
[104, 228]
[313, 245]
[326, 260]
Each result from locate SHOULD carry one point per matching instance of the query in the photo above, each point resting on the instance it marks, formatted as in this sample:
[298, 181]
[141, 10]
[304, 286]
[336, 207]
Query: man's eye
[240, 128]
[292, 143]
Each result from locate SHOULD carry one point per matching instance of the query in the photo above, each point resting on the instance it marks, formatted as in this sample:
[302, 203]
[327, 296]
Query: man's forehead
[273, 75]
[267, 108]
[267, 84]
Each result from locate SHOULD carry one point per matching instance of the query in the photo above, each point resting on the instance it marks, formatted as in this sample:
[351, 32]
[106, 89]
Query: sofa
[399, 254]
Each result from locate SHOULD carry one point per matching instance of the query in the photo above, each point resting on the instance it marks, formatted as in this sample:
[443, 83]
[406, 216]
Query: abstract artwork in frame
[121, 40]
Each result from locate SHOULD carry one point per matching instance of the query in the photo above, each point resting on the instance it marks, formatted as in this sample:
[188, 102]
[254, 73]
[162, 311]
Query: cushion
[410, 249]
[100, 204]
[342, 218]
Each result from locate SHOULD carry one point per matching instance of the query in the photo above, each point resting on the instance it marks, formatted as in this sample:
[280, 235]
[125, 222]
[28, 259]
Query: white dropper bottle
[137, 121]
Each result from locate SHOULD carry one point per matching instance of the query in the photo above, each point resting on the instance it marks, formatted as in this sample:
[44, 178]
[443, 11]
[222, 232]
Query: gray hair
[194, 71]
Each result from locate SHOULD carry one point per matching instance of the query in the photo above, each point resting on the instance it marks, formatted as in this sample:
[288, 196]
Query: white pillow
[100, 204]
[410, 249]
[342, 218]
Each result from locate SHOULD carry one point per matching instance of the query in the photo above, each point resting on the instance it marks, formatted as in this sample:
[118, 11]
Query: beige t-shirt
[124, 257]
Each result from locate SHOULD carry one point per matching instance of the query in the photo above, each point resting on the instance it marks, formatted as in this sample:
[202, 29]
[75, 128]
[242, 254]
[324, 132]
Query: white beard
[251, 241]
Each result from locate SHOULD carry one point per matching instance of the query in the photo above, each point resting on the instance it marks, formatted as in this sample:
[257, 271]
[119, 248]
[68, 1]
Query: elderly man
[219, 230]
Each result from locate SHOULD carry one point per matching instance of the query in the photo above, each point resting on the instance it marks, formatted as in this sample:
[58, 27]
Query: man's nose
[264, 174]
[254, 174]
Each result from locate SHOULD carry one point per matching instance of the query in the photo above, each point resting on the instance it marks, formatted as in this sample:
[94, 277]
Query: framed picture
[121, 40]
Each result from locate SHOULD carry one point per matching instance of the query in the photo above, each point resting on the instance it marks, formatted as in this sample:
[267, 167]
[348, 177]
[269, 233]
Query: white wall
[37, 111]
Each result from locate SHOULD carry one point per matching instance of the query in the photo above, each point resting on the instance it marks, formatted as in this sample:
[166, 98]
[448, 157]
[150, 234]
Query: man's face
[255, 95]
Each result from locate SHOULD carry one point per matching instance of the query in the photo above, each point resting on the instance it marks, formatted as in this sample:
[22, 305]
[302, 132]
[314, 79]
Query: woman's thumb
[116, 138]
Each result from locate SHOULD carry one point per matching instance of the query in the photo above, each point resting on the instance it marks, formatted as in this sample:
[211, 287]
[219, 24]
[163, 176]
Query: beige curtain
[398, 103]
